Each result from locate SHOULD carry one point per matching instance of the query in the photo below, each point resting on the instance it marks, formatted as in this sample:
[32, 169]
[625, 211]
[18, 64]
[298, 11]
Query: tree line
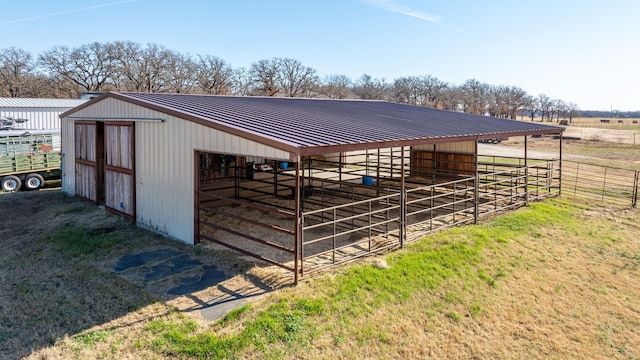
[64, 72]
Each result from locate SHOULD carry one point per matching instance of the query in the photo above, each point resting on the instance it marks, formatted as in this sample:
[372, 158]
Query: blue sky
[586, 52]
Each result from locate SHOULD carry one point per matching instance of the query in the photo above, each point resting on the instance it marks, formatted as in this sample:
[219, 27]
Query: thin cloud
[57, 13]
[392, 6]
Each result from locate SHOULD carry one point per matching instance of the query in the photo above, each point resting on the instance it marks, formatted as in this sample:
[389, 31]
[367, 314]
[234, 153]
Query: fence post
[575, 187]
[634, 201]
[604, 182]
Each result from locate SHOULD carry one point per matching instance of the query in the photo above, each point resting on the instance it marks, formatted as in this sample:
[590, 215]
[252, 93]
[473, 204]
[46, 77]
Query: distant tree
[89, 66]
[560, 109]
[180, 78]
[264, 75]
[450, 98]
[506, 101]
[128, 68]
[242, 82]
[16, 69]
[408, 90]
[336, 87]
[474, 96]
[572, 111]
[213, 75]
[153, 68]
[293, 78]
[530, 106]
[546, 106]
[368, 88]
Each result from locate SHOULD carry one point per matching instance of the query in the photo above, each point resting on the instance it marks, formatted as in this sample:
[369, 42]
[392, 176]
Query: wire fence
[604, 183]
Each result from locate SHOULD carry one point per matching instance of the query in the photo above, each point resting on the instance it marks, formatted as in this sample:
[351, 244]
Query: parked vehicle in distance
[493, 141]
[28, 158]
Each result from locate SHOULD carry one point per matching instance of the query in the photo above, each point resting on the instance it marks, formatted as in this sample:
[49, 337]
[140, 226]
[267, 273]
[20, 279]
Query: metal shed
[303, 184]
[36, 113]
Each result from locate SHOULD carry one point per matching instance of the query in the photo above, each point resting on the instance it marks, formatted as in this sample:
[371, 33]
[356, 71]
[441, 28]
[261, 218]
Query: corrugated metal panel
[36, 118]
[40, 103]
[40, 113]
[311, 125]
[165, 162]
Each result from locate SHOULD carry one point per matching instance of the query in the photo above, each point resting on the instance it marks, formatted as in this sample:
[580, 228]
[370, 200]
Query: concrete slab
[210, 276]
[175, 274]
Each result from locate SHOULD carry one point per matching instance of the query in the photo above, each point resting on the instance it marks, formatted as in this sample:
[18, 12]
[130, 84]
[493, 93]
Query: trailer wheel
[10, 183]
[33, 182]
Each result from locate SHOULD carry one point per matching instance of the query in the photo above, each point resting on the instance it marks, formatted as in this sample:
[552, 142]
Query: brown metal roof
[314, 126]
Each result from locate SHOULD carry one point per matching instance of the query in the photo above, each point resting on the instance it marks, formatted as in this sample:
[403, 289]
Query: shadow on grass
[60, 277]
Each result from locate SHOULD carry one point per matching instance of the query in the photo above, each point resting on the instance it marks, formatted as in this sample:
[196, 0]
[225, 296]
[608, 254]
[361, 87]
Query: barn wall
[39, 118]
[165, 160]
[462, 147]
[456, 158]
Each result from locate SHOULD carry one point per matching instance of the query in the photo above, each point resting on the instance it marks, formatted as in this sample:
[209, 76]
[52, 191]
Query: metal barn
[35, 113]
[304, 184]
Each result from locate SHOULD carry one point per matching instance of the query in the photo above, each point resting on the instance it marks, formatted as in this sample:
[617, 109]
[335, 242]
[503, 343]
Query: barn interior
[324, 210]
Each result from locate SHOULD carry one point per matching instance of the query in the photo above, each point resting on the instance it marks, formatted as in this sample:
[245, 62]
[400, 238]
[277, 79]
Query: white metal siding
[39, 118]
[165, 157]
[67, 133]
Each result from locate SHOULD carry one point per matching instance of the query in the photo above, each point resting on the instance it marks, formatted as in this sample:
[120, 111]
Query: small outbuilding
[34, 113]
[303, 184]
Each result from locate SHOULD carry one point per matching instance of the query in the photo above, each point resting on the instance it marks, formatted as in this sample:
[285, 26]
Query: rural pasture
[557, 279]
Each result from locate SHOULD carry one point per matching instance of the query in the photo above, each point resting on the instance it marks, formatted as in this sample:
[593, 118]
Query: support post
[560, 167]
[340, 169]
[526, 172]
[403, 203]
[196, 200]
[275, 179]
[298, 225]
[476, 190]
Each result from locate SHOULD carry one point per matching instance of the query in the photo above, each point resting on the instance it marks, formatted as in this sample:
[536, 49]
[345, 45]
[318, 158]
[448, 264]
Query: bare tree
[560, 109]
[213, 75]
[572, 111]
[180, 76]
[530, 106]
[264, 74]
[450, 98]
[16, 68]
[369, 88]
[89, 66]
[295, 79]
[408, 90]
[546, 106]
[242, 82]
[474, 96]
[506, 101]
[336, 87]
[127, 66]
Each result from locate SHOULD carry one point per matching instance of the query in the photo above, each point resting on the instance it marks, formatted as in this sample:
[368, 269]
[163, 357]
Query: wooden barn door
[119, 179]
[88, 153]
